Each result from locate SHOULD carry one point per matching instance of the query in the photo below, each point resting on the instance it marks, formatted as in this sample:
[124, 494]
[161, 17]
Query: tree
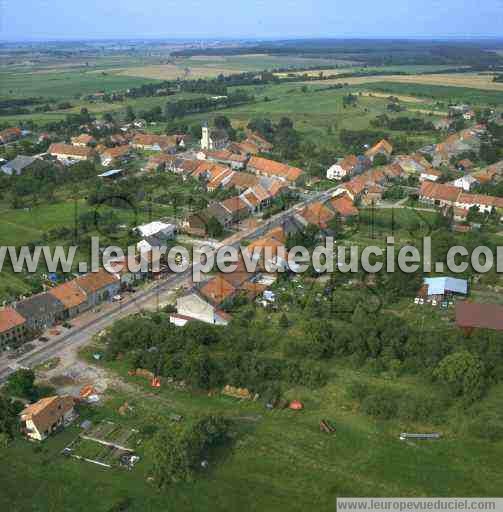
[176, 450]
[222, 123]
[21, 384]
[130, 115]
[284, 323]
[9, 411]
[214, 228]
[380, 159]
[463, 373]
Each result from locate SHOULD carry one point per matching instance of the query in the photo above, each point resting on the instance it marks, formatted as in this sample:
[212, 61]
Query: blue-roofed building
[438, 287]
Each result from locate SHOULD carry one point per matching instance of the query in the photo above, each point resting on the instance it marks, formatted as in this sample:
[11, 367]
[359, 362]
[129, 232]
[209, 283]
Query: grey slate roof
[41, 305]
[17, 165]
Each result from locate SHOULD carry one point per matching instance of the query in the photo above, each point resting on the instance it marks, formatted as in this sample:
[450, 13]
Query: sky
[266, 19]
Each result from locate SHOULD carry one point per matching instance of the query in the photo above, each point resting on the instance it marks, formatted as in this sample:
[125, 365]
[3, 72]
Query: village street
[151, 297]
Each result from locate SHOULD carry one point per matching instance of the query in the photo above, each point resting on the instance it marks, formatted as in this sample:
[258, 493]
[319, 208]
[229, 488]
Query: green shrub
[488, 427]
[383, 404]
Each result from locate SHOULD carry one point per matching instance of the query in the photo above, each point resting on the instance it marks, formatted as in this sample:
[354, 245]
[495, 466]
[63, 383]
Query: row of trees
[404, 124]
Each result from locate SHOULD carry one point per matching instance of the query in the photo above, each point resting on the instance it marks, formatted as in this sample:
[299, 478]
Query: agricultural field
[209, 67]
[463, 80]
[318, 111]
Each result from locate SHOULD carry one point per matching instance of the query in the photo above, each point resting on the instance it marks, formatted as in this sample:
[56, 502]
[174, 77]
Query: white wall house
[194, 306]
[466, 182]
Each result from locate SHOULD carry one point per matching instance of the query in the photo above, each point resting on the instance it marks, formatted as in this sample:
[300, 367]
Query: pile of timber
[325, 426]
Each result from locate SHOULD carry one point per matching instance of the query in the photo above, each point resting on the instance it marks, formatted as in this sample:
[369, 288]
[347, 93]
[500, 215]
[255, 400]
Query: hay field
[467, 80]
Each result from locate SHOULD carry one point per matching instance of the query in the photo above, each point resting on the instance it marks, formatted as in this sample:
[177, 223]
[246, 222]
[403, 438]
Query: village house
[236, 207]
[159, 229]
[40, 311]
[193, 305]
[225, 157]
[430, 174]
[465, 182]
[438, 194]
[412, 164]
[218, 212]
[256, 198]
[83, 140]
[148, 142]
[373, 194]
[271, 250]
[245, 148]
[213, 139]
[456, 144]
[163, 162]
[317, 214]
[383, 147]
[270, 168]
[465, 165]
[258, 141]
[458, 214]
[73, 298]
[219, 180]
[12, 327]
[489, 174]
[99, 286]
[10, 135]
[117, 154]
[67, 153]
[343, 206]
[241, 181]
[118, 139]
[195, 224]
[18, 165]
[347, 167]
[41, 419]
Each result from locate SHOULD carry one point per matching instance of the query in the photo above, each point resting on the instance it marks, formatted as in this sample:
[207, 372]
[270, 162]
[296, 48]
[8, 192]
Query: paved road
[80, 335]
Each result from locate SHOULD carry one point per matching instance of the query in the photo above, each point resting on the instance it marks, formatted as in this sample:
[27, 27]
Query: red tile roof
[440, 192]
[83, 139]
[343, 205]
[69, 294]
[382, 146]
[234, 204]
[146, 139]
[317, 214]
[242, 180]
[95, 281]
[69, 150]
[272, 168]
[217, 290]
[227, 156]
[10, 318]
[47, 411]
[116, 152]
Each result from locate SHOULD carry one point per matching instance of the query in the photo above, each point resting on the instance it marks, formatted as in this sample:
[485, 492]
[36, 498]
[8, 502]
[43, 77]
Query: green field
[64, 85]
